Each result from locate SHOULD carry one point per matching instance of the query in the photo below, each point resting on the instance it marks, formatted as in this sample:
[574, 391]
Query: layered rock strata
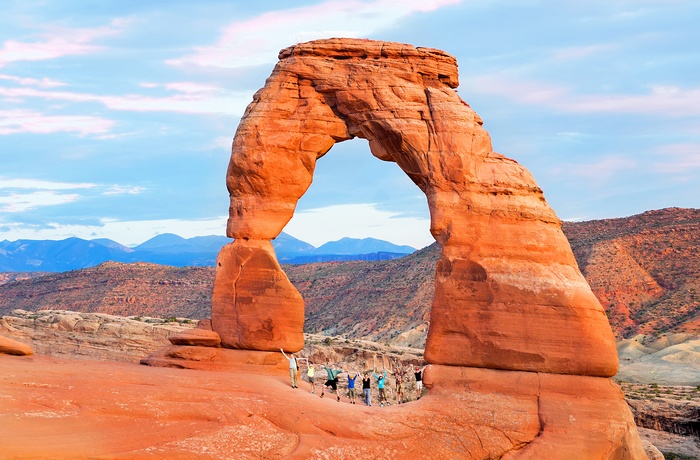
[89, 335]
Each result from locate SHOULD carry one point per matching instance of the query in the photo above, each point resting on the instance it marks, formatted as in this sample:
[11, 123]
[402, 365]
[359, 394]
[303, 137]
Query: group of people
[400, 376]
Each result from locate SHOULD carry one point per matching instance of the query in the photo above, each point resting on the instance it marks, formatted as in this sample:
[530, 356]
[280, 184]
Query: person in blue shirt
[381, 381]
[351, 386]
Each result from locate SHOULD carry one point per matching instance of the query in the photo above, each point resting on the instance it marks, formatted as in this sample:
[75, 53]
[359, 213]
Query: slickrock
[13, 347]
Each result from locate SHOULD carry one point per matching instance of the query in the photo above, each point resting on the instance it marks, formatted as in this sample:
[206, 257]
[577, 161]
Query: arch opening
[378, 302]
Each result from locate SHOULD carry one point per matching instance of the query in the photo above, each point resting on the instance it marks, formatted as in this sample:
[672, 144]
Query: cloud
[678, 158]
[320, 225]
[43, 83]
[6, 183]
[15, 202]
[257, 41]
[198, 99]
[598, 171]
[123, 190]
[18, 195]
[580, 52]
[667, 101]
[26, 121]
[14, 198]
[58, 42]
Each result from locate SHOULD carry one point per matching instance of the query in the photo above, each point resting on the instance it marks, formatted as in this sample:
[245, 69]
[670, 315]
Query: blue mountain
[362, 246]
[171, 249]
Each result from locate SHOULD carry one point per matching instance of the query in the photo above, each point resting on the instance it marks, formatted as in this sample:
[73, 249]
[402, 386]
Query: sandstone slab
[196, 337]
[69, 409]
[13, 347]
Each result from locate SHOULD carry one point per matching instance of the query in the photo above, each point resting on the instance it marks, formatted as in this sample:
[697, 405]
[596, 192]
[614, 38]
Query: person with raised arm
[292, 368]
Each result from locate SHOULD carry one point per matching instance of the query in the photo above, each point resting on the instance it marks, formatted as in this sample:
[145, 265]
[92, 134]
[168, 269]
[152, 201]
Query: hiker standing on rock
[366, 389]
[418, 373]
[311, 374]
[292, 368]
[332, 381]
[381, 380]
[351, 386]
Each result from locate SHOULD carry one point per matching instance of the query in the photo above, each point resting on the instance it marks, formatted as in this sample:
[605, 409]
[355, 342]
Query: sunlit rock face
[509, 294]
[510, 305]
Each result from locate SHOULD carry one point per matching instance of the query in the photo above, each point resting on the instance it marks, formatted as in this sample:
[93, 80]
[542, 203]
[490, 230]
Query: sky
[116, 117]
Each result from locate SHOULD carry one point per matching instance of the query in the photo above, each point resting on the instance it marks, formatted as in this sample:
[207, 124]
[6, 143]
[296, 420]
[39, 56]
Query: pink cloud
[194, 99]
[665, 101]
[678, 158]
[57, 43]
[43, 83]
[598, 171]
[25, 121]
[257, 41]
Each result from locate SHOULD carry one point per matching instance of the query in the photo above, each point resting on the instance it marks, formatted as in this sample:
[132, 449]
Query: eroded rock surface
[89, 335]
[508, 291]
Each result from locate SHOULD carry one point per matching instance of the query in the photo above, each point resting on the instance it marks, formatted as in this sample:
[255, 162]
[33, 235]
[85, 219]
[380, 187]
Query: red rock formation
[508, 292]
[254, 305]
[508, 295]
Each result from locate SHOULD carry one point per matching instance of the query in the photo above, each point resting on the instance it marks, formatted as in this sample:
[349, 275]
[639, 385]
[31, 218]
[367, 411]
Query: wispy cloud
[598, 171]
[16, 202]
[58, 42]
[18, 195]
[580, 52]
[257, 41]
[203, 100]
[678, 158]
[668, 101]
[8, 183]
[123, 190]
[42, 83]
[26, 121]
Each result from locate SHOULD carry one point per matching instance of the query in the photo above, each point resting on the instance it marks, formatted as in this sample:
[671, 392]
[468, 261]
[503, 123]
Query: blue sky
[116, 118]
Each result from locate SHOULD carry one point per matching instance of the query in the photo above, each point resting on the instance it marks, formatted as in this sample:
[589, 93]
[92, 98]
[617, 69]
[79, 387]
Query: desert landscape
[538, 339]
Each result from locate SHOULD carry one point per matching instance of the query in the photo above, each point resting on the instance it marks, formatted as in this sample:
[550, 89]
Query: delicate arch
[508, 291]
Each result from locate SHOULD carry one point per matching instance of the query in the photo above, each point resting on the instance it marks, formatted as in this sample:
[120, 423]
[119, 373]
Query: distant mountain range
[170, 249]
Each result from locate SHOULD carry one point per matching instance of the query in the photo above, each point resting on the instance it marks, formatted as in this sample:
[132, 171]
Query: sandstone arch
[508, 295]
[519, 347]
